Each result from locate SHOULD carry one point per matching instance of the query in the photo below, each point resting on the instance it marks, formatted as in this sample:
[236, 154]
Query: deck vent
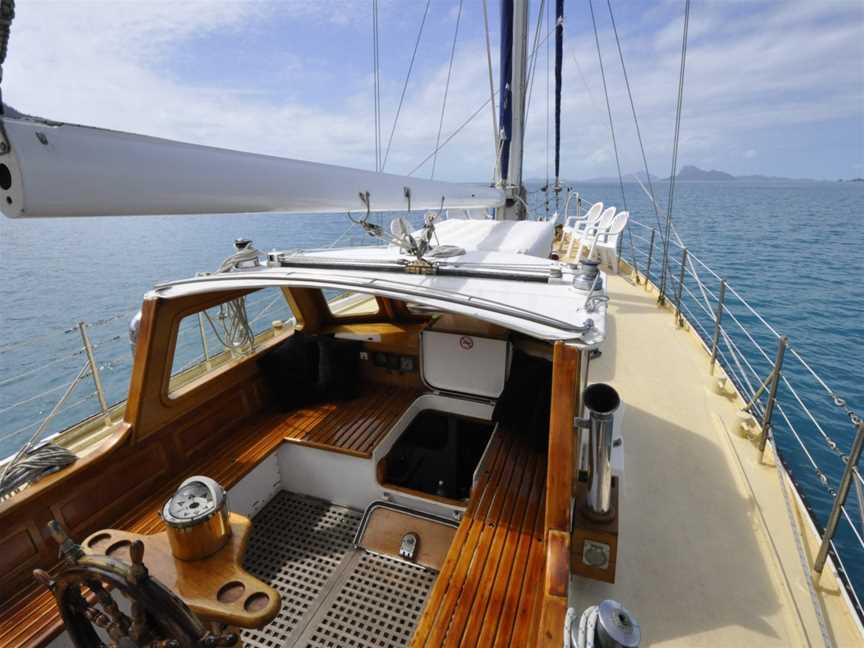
[601, 401]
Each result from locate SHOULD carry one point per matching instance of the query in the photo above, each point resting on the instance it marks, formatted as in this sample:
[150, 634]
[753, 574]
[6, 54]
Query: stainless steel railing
[786, 396]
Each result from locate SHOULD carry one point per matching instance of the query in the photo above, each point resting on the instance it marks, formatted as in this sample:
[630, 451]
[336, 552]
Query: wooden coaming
[566, 372]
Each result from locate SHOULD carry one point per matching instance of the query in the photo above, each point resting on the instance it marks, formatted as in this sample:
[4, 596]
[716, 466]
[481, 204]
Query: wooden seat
[354, 427]
[488, 592]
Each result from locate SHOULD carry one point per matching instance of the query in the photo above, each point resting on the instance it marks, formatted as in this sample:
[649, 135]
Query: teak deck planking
[487, 592]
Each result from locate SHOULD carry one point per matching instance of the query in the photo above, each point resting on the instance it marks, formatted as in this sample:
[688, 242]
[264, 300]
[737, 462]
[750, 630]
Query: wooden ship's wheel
[93, 591]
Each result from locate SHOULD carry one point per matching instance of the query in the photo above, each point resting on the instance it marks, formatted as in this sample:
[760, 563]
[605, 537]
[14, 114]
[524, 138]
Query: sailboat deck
[707, 553]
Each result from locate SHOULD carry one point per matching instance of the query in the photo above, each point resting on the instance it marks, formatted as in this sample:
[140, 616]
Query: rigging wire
[376, 90]
[446, 90]
[237, 333]
[608, 106]
[582, 78]
[635, 118]
[21, 466]
[39, 368]
[470, 118]
[495, 135]
[678, 109]
[405, 85]
[532, 66]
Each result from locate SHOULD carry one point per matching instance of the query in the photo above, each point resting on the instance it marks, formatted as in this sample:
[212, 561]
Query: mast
[514, 71]
[559, 57]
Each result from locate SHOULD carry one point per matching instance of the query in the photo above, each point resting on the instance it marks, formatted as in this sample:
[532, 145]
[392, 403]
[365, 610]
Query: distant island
[690, 173]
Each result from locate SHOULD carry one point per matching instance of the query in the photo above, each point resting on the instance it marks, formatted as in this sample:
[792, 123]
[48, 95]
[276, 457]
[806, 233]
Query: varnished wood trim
[557, 561]
[140, 366]
[149, 408]
[120, 434]
[566, 373]
[199, 582]
[308, 305]
[400, 338]
[566, 361]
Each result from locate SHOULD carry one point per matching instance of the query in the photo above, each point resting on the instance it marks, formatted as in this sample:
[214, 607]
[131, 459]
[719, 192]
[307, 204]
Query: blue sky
[771, 87]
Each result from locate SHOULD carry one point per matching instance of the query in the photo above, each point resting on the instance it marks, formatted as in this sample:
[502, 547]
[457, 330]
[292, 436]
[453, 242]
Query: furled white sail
[70, 170]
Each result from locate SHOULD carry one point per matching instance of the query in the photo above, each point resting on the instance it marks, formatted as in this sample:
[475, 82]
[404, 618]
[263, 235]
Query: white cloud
[102, 64]
[750, 154]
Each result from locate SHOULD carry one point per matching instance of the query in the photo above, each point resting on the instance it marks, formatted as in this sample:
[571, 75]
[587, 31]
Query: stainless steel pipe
[601, 401]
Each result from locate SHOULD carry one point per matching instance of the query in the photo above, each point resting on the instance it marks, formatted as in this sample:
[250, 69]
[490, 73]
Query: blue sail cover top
[506, 104]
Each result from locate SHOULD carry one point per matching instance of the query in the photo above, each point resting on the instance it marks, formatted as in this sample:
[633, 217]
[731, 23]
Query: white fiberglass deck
[707, 555]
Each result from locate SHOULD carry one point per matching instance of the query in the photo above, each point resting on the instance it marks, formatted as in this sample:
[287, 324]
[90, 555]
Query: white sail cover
[533, 238]
[69, 170]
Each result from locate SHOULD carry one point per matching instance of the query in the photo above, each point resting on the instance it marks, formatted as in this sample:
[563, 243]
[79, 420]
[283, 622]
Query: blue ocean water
[793, 250]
